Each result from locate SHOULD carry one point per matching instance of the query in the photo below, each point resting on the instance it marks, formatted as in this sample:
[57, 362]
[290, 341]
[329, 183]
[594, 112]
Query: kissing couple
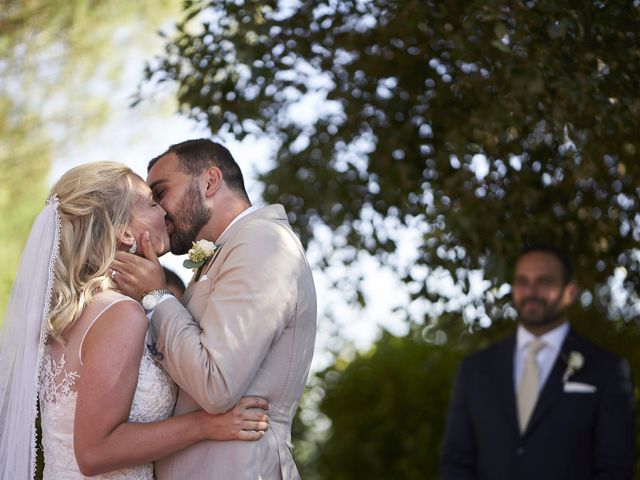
[130, 382]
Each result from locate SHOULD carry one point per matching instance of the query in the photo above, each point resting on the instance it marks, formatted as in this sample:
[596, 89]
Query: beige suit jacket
[246, 327]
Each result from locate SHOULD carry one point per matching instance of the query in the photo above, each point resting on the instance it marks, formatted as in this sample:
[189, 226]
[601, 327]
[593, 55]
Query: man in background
[544, 403]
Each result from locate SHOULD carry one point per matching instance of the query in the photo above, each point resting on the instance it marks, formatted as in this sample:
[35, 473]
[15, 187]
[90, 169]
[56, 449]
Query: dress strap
[118, 300]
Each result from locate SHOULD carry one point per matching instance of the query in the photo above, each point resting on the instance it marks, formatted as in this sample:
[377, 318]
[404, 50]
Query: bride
[71, 341]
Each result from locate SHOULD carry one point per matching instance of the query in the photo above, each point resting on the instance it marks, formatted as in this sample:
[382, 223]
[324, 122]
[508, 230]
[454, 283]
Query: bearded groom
[246, 323]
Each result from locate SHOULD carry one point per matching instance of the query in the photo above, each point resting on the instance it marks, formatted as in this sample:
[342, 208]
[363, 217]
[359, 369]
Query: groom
[245, 325]
[545, 403]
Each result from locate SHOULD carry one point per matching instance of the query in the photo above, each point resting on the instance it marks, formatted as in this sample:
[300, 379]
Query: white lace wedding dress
[153, 400]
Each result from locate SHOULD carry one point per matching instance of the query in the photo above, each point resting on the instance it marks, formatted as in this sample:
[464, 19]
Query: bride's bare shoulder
[105, 300]
[115, 321]
[114, 307]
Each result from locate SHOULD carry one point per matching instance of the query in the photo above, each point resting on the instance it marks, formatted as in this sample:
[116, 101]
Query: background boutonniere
[199, 254]
[574, 363]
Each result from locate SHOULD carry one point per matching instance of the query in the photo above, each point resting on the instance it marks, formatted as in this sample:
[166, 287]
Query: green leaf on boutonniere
[189, 264]
[199, 253]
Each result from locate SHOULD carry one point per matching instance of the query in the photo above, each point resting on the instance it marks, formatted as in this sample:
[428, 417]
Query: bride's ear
[126, 240]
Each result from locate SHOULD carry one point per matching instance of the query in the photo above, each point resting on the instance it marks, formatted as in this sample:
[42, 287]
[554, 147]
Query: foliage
[386, 411]
[54, 61]
[483, 124]
[24, 162]
[388, 406]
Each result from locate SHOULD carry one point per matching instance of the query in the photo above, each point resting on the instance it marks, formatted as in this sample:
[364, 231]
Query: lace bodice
[153, 400]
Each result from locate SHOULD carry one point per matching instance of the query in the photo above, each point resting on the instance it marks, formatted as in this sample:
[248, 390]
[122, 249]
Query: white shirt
[546, 356]
[244, 213]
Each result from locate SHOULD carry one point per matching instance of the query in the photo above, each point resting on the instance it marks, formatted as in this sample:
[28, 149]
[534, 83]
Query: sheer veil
[22, 345]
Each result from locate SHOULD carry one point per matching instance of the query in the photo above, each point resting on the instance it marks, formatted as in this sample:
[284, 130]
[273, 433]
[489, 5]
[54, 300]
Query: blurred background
[416, 145]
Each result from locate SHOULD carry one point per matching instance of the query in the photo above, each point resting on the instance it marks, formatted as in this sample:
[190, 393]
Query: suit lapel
[504, 381]
[189, 290]
[552, 390]
[207, 266]
[273, 212]
[197, 277]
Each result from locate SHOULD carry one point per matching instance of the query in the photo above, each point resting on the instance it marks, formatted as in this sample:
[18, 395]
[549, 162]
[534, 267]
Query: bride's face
[148, 215]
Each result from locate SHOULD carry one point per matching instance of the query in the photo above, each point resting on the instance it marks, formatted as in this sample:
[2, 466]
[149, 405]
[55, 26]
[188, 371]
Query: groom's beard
[190, 216]
[550, 313]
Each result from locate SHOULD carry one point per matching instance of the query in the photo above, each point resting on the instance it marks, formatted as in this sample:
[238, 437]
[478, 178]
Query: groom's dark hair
[551, 249]
[195, 156]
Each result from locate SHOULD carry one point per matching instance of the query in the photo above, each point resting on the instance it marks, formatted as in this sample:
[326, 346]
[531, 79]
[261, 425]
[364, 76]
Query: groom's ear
[214, 181]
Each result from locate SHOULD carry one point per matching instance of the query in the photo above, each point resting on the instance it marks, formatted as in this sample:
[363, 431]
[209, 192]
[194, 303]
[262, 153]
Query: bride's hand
[242, 422]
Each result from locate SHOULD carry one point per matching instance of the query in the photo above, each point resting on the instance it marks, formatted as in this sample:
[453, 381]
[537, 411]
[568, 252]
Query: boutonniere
[574, 363]
[200, 254]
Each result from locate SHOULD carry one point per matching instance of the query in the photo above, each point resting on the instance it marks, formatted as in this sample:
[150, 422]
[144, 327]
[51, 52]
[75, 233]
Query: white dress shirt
[545, 358]
[238, 217]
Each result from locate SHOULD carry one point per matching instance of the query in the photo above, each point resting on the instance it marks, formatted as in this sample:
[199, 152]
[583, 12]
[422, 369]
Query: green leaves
[388, 406]
[415, 95]
[189, 264]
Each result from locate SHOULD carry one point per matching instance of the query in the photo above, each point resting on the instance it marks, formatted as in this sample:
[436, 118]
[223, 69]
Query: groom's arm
[457, 460]
[614, 447]
[252, 298]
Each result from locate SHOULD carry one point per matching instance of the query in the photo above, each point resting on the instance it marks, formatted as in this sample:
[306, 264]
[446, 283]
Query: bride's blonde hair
[94, 206]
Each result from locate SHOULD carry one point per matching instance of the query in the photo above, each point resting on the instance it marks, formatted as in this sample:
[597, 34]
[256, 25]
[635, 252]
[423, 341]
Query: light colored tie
[529, 384]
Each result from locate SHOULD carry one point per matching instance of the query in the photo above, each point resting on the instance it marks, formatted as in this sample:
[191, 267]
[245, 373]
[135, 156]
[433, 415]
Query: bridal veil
[22, 345]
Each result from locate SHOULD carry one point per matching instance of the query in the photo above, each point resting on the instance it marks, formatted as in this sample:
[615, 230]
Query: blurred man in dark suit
[545, 403]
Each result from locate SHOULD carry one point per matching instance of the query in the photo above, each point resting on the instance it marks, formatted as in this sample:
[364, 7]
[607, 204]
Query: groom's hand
[136, 275]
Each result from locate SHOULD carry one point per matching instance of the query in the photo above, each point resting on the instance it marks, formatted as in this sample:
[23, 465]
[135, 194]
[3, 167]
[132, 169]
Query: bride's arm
[104, 439]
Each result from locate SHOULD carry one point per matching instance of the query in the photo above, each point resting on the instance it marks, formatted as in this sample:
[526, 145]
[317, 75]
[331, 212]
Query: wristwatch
[150, 300]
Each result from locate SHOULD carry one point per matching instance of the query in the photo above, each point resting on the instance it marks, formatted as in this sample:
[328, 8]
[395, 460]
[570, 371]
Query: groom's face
[180, 196]
[539, 291]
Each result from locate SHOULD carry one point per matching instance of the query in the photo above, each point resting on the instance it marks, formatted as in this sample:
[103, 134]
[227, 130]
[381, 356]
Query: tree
[54, 56]
[483, 124]
[387, 409]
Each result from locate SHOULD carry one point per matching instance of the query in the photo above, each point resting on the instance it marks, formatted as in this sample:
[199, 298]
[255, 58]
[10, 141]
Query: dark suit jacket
[570, 436]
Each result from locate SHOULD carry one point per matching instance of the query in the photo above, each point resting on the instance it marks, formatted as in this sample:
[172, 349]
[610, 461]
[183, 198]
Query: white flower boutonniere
[200, 253]
[574, 363]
